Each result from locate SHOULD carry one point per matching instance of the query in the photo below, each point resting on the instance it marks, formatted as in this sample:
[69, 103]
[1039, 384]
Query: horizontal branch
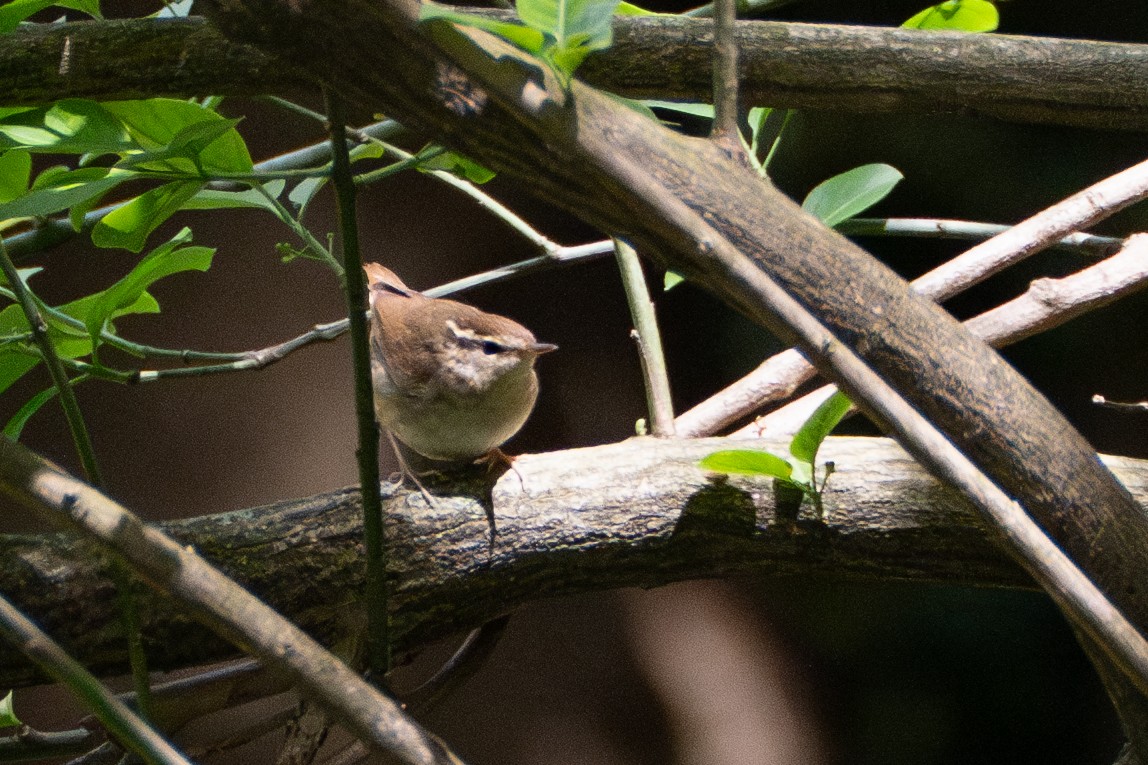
[817, 66]
[645, 515]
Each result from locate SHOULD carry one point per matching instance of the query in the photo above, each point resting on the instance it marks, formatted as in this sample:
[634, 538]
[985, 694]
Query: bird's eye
[489, 347]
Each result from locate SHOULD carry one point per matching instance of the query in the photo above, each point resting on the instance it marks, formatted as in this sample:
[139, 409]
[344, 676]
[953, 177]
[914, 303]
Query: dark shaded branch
[852, 69]
[646, 515]
[206, 594]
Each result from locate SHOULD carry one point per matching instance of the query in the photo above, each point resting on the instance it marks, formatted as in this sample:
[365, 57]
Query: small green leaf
[156, 122]
[304, 191]
[629, 9]
[211, 199]
[457, 164]
[530, 40]
[188, 145]
[851, 192]
[757, 117]
[671, 280]
[69, 126]
[15, 171]
[172, 257]
[684, 107]
[747, 462]
[957, 15]
[571, 23]
[174, 10]
[802, 476]
[8, 717]
[824, 419]
[128, 226]
[62, 190]
[15, 427]
[12, 13]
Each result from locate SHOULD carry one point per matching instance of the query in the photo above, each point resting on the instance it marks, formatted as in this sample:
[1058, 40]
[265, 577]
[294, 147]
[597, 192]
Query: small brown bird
[451, 382]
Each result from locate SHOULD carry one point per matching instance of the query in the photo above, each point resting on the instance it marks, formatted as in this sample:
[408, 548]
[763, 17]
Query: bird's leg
[405, 470]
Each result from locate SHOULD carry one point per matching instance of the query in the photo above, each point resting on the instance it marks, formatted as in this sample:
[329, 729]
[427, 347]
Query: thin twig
[1076, 213]
[1046, 304]
[659, 402]
[125, 599]
[178, 571]
[1044, 229]
[121, 722]
[39, 328]
[30, 744]
[1139, 406]
[725, 131]
[467, 659]
[487, 202]
[355, 285]
[1091, 245]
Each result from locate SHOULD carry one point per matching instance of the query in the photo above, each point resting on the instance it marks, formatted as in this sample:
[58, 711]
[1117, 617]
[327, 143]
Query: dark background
[797, 670]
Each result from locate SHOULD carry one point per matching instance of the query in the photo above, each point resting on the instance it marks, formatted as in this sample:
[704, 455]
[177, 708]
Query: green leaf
[128, 226]
[7, 712]
[178, 10]
[456, 164]
[211, 199]
[630, 104]
[188, 144]
[747, 462]
[15, 426]
[851, 192]
[15, 171]
[304, 191]
[629, 9]
[62, 190]
[576, 28]
[15, 363]
[684, 107]
[757, 117]
[167, 259]
[957, 15]
[90, 7]
[69, 126]
[157, 123]
[671, 280]
[571, 23]
[530, 40]
[824, 419]
[11, 14]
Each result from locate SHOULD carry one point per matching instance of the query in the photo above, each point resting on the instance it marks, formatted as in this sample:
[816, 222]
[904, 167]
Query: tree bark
[638, 513]
[858, 70]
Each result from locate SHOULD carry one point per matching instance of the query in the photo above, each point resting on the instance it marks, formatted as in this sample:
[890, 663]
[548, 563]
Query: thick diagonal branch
[615, 168]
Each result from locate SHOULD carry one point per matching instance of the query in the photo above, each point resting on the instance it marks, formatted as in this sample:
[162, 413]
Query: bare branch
[61, 500]
[649, 340]
[122, 723]
[646, 516]
[1012, 245]
[1076, 213]
[801, 66]
[1048, 303]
